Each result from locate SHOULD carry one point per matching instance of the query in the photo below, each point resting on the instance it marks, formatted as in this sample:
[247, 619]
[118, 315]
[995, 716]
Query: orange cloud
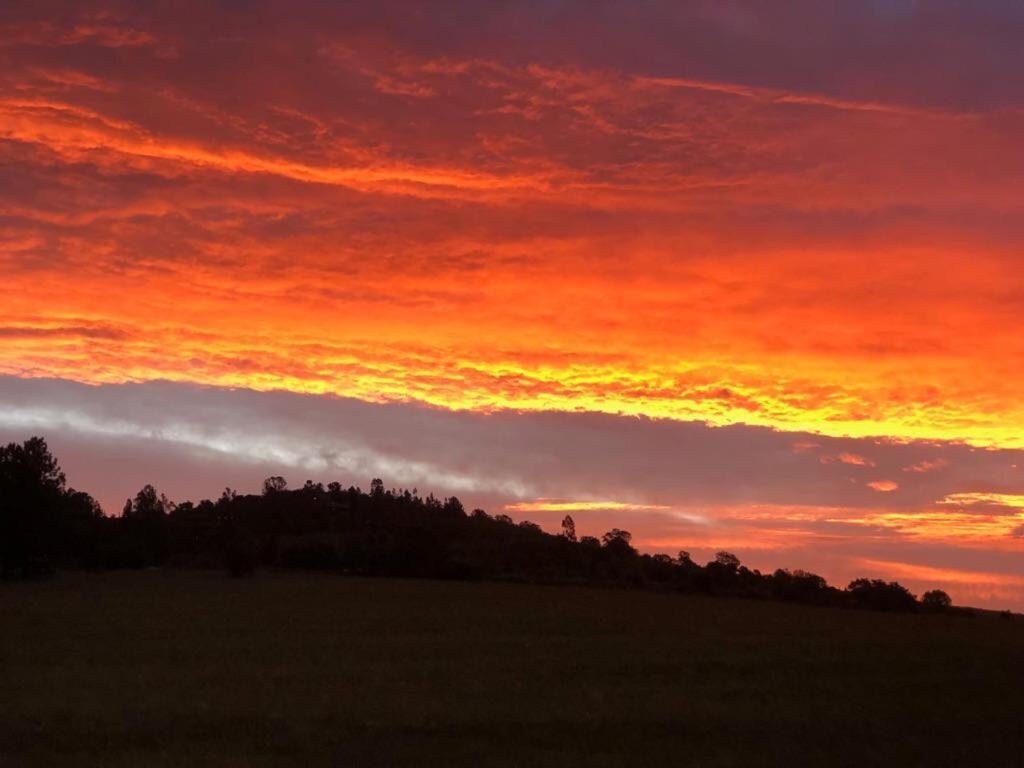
[802, 446]
[699, 328]
[927, 465]
[883, 486]
[854, 459]
[944, 525]
[947, 575]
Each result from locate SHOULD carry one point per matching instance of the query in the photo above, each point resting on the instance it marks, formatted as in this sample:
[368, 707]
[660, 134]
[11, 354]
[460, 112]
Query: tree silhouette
[616, 537]
[32, 490]
[936, 600]
[146, 519]
[274, 484]
[722, 574]
[453, 507]
[881, 595]
[727, 560]
[569, 528]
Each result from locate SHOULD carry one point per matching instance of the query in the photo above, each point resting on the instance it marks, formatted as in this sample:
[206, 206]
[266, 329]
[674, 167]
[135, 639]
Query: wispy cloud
[984, 499]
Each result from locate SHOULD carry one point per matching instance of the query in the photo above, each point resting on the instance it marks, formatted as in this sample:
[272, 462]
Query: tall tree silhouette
[569, 528]
[146, 518]
[32, 488]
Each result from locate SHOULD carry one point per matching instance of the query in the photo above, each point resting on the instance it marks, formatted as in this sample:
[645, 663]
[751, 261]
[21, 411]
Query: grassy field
[193, 669]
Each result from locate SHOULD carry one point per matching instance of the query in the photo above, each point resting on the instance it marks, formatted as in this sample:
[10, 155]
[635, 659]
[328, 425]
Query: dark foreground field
[192, 669]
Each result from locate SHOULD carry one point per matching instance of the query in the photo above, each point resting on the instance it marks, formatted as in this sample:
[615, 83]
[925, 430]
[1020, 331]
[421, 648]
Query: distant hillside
[378, 532]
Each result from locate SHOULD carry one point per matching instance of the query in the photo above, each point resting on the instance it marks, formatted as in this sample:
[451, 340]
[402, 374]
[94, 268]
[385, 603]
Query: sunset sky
[743, 275]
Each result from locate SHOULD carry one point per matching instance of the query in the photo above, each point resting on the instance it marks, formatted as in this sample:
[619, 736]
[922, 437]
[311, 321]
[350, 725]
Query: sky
[740, 275]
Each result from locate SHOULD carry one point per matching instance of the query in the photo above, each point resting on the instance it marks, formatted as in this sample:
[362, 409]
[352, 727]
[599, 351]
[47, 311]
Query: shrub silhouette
[936, 600]
[881, 595]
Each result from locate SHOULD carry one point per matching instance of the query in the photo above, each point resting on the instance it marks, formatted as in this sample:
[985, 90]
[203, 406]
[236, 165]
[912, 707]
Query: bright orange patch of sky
[540, 246]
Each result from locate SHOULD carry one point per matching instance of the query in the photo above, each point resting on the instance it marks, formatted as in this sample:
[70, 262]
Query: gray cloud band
[503, 456]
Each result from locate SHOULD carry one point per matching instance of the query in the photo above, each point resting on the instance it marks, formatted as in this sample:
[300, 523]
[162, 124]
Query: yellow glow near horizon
[1011, 500]
[582, 506]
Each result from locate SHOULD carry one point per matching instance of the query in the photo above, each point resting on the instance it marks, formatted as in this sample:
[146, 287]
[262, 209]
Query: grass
[194, 669]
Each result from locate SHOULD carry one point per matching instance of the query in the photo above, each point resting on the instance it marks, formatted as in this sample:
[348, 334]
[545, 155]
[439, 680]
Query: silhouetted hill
[378, 532]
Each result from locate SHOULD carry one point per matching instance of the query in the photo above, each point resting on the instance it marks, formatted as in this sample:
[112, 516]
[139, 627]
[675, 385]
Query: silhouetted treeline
[45, 525]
